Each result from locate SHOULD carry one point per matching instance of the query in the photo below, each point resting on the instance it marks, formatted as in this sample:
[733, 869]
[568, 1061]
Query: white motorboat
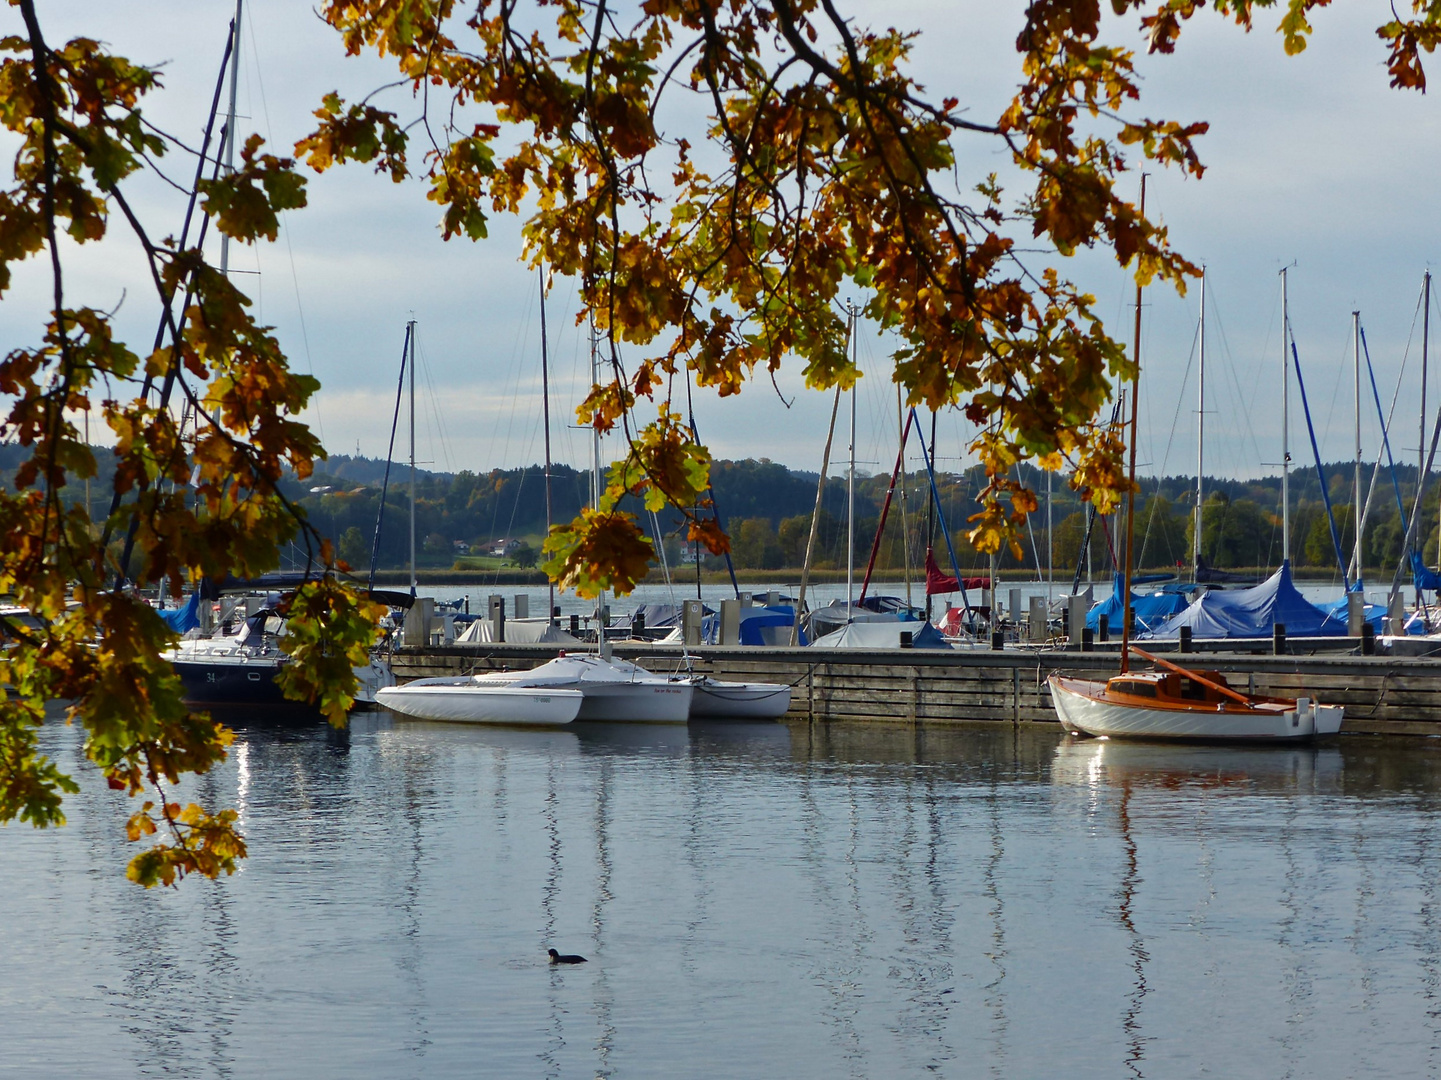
[1182, 704]
[471, 700]
[613, 689]
[738, 700]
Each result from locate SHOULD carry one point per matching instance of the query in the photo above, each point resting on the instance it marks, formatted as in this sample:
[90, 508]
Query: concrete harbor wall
[1381, 694]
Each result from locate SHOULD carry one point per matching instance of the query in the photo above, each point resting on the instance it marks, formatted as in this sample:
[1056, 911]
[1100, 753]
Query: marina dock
[1381, 694]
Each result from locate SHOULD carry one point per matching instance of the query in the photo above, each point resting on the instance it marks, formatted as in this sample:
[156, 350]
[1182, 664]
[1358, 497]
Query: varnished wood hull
[1084, 707]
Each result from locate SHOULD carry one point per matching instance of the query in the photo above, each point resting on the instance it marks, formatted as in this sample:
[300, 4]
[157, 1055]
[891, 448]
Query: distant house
[461, 547]
[502, 548]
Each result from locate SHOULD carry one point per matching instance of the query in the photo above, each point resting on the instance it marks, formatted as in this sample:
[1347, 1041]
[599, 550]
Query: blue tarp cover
[1151, 609]
[184, 618]
[759, 626]
[1340, 612]
[1253, 613]
[1426, 578]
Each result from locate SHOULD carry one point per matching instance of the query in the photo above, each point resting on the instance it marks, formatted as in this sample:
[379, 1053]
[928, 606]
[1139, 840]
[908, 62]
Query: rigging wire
[314, 404]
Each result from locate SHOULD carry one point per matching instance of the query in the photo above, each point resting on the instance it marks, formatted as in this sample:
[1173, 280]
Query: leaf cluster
[827, 169]
[192, 499]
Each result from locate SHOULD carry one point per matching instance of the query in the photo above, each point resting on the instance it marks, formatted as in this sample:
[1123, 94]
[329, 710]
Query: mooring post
[1015, 695]
[1278, 639]
[1185, 645]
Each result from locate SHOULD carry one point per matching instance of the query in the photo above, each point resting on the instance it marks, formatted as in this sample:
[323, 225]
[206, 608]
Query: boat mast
[229, 155]
[1425, 344]
[545, 411]
[1200, 436]
[851, 476]
[1131, 470]
[905, 527]
[1050, 547]
[595, 483]
[410, 337]
[1356, 356]
[815, 521]
[1286, 426]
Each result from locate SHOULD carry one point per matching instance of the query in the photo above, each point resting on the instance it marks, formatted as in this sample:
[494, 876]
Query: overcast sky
[1313, 162]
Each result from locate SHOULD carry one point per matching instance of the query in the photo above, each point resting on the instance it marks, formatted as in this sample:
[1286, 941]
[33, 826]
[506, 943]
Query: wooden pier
[1381, 694]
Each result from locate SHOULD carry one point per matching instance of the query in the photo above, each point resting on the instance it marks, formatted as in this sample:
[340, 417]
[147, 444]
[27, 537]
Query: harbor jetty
[1381, 694]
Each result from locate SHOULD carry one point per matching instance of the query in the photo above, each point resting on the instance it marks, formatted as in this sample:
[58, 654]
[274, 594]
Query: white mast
[545, 412]
[1285, 426]
[1356, 356]
[230, 129]
[1425, 343]
[851, 477]
[1200, 434]
[595, 488]
[411, 339]
[1050, 548]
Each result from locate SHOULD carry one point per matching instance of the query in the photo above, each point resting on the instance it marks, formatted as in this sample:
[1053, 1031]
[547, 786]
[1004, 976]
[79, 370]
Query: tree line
[766, 508]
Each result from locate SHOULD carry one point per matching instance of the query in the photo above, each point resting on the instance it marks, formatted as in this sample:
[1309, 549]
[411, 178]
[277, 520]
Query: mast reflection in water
[754, 901]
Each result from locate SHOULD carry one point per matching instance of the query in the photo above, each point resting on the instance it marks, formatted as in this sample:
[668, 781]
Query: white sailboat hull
[470, 701]
[645, 702]
[1082, 708]
[739, 701]
[613, 690]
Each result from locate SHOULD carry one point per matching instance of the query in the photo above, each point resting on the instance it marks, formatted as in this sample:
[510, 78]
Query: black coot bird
[557, 958]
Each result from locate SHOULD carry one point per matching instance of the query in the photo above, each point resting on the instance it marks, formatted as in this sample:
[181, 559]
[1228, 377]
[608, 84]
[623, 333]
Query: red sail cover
[937, 582]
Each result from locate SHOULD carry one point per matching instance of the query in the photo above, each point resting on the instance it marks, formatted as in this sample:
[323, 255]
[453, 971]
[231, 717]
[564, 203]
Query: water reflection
[991, 888]
[1219, 769]
[755, 900]
[1126, 909]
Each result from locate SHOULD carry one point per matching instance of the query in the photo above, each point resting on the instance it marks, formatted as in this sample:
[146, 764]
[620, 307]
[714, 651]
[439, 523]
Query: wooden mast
[1131, 471]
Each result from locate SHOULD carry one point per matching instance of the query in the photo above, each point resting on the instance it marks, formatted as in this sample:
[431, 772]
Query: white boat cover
[882, 635]
[520, 632]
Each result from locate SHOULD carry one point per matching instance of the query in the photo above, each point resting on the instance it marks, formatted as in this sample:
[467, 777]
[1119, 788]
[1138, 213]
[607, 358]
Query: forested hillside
[767, 510]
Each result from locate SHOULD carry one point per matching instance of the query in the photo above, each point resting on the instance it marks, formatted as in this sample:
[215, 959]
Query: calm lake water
[755, 900]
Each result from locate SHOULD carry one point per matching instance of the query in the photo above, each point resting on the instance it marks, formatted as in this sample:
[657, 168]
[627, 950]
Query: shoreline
[433, 576]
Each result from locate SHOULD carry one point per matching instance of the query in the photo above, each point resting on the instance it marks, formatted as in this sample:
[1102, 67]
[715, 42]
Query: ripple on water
[754, 900]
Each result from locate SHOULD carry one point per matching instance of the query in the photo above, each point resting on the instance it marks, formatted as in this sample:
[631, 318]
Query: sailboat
[1173, 702]
[570, 687]
[236, 659]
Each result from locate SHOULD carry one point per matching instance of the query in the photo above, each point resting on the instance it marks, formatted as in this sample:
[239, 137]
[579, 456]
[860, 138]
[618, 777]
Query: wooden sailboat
[1173, 702]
